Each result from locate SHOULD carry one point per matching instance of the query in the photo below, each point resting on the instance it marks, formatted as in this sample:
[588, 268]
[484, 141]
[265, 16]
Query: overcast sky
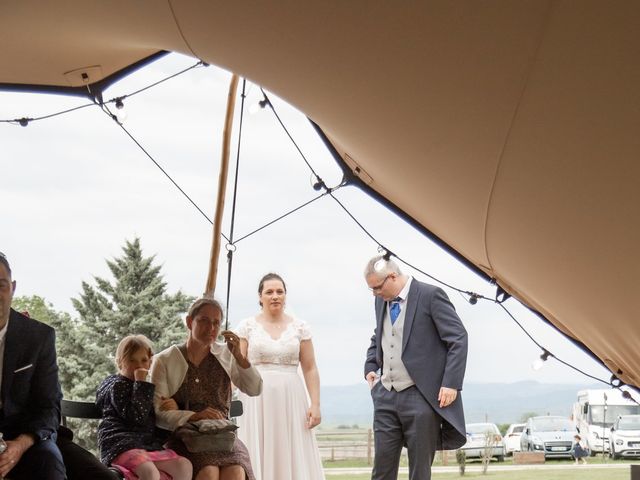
[74, 187]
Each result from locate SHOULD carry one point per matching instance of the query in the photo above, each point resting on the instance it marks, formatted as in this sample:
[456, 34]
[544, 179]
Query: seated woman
[193, 382]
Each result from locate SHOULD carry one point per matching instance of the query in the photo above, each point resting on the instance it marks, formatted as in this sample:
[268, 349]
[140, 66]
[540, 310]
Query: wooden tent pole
[210, 288]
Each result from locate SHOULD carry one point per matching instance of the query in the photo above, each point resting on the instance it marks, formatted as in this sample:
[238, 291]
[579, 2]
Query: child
[579, 452]
[126, 432]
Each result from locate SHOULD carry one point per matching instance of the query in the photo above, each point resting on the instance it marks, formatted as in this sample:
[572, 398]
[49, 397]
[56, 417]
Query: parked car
[512, 438]
[624, 440]
[481, 436]
[552, 435]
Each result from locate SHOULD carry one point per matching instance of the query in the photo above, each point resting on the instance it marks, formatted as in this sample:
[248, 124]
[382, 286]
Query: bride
[277, 426]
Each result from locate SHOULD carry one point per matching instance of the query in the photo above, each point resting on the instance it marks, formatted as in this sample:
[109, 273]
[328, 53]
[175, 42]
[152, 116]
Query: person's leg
[208, 473]
[42, 461]
[82, 464]
[232, 472]
[147, 471]
[179, 468]
[421, 426]
[388, 436]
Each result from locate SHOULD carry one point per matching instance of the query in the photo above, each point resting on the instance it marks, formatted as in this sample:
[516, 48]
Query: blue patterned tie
[394, 309]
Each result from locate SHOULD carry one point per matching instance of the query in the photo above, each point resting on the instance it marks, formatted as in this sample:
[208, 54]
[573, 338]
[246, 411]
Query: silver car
[551, 435]
[481, 438]
[624, 440]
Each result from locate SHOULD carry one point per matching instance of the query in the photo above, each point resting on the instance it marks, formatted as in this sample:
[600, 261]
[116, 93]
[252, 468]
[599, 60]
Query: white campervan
[594, 414]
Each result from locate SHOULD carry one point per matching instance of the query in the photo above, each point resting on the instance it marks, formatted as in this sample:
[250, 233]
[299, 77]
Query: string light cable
[25, 121]
[317, 185]
[473, 297]
[230, 245]
[319, 182]
[114, 117]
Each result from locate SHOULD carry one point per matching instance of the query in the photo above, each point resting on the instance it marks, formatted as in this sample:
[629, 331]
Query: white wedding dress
[273, 425]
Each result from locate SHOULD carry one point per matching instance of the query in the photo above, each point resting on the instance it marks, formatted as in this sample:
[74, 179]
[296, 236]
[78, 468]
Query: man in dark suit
[30, 392]
[415, 367]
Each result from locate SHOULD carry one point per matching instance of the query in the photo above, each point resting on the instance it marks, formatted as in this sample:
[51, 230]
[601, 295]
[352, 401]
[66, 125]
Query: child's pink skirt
[128, 461]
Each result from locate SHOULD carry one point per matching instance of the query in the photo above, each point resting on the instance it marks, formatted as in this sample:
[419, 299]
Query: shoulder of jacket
[168, 354]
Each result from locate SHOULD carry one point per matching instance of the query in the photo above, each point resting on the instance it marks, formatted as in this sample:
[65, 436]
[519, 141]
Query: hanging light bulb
[381, 264]
[539, 362]
[256, 107]
[121, 112]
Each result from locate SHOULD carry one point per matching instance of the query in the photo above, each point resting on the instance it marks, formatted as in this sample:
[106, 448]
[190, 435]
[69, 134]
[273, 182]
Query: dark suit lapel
[10, 355]
[411, 306]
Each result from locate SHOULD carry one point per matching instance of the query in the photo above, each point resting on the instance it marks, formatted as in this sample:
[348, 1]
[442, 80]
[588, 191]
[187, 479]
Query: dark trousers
[403, 419]
[80, 463]
[42, 461]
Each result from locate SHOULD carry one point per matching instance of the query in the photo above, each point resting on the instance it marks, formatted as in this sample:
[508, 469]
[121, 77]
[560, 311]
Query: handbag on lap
[208, 435]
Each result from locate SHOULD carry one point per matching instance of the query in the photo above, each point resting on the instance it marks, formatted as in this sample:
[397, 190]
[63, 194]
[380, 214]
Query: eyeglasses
[377, 288]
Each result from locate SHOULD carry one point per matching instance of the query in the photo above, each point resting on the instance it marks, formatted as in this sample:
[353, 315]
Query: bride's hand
[313, 416]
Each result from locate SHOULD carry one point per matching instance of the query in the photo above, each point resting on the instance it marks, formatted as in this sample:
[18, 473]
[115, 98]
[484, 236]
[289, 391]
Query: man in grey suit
[415, 367]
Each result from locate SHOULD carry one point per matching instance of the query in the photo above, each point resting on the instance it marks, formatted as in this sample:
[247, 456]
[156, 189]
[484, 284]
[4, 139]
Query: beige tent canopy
[509, 131]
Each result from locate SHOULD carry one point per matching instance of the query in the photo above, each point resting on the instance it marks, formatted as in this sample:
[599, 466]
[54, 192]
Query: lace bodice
[284, 350]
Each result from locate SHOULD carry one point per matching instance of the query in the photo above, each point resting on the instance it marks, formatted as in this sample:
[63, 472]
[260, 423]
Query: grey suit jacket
[434, 352]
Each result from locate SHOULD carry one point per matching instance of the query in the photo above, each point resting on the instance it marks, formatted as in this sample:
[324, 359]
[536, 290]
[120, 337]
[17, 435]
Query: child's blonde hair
[130, 345]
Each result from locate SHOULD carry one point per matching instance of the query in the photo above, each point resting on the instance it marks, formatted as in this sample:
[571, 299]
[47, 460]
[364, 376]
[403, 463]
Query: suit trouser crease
[403, 419]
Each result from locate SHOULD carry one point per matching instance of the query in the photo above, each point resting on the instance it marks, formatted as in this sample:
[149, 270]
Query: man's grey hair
[381, 267]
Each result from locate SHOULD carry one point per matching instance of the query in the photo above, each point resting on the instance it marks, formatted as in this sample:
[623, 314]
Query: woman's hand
[208, 413]
[168, 404]
[313, 416]
[233, 344]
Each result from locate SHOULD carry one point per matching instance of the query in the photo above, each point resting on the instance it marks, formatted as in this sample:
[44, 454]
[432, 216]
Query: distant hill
[495, 402]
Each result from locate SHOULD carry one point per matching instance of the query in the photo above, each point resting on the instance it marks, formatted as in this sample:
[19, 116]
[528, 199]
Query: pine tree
[135, 302]
[68, 342]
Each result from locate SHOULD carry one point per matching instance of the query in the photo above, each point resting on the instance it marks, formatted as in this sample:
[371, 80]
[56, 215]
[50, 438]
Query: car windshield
[518, 429]
[551, 424]
[605, 418]
[481, 428]
[629, 423]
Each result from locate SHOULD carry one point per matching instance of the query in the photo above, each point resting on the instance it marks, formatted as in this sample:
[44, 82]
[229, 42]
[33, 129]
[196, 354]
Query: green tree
[71, 339]
[68, 343]
[135, 302]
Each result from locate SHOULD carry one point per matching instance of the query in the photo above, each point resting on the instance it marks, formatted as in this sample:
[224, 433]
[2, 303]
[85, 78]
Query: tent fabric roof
[509, 130]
